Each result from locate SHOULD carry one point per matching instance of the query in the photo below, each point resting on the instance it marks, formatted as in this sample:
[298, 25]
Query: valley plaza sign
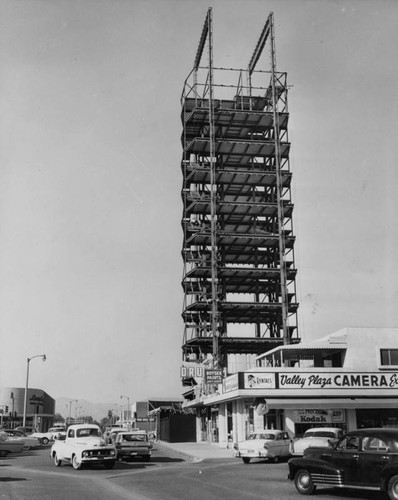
[315, 380]
[353, 380]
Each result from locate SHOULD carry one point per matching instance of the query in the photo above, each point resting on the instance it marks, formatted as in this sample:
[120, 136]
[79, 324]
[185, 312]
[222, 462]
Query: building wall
[363, 345]
[359, 393]
[40, 408]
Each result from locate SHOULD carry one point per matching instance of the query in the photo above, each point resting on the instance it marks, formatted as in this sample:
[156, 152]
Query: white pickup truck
[83, 445]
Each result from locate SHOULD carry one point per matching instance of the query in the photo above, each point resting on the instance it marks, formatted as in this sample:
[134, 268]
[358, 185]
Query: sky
[90, 178]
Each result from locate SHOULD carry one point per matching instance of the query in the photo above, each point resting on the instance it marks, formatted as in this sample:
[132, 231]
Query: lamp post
[70, 408]
[25, 403]
[128, 404]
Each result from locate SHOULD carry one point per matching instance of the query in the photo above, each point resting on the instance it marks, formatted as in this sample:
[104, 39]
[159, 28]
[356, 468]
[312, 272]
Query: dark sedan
[364, 458]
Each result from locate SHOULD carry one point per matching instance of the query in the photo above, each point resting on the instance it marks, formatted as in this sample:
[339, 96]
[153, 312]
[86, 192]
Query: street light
[70, 408]
[43, 357]
[128, 404]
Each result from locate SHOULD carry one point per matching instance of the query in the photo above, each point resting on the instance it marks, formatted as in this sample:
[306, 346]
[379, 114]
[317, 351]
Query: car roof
[83, 426]
[324, 429]
[387, 432]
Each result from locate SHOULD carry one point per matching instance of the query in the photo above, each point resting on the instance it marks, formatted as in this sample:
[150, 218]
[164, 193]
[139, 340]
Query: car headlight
[85, 454]
[112, 452]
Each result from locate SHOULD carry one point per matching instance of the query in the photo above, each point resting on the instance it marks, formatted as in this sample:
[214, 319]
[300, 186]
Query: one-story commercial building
[348, 379]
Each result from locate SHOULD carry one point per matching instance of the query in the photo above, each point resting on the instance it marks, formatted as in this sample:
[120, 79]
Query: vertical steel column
[213, 204]
[279, 188]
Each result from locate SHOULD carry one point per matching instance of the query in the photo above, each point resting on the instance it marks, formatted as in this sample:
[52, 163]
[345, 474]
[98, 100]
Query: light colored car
[315, 437]
[29, 441]
[271, 444]
[50, 435]
[83, 445]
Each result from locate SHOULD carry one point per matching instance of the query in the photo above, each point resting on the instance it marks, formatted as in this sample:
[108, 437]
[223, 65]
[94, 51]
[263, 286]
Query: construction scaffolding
[238, 246]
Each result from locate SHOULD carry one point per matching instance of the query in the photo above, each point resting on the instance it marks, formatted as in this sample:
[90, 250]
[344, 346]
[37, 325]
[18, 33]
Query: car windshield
[262, 436]
[88, 432]
[321, 434]
[133, 437]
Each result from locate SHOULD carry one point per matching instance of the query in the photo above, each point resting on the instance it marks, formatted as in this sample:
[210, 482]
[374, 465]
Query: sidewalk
[195, 452]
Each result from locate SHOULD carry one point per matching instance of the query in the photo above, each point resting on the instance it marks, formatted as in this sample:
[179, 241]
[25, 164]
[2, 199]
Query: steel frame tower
[238, 245]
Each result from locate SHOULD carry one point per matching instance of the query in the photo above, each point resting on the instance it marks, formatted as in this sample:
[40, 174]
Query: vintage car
[83, 445]
[9, 445]
[50, 435]
[317, 436]
[133, 444]
[270, 444]
[29, 441]
[364, 458]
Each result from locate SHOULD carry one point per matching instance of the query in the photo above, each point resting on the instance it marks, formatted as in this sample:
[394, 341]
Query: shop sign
[350, 380]
[231, 383]
[192, 370]
[213, 376]
[318, 416]
[259, 380]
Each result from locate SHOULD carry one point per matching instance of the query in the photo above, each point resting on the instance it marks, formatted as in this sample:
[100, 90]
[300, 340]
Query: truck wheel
[57, 462]
[75, 463]
[393, 488]
[44, 440]
[304, 482]
[109, 465]
[246, 460]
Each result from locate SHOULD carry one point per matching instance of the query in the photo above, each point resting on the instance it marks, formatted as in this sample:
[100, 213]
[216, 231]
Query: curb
[177, 453]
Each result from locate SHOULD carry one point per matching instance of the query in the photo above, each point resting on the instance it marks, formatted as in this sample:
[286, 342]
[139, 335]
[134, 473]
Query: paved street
[33, 476]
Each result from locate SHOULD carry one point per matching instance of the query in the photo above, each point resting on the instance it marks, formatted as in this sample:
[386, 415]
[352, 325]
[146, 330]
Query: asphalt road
[33, 476]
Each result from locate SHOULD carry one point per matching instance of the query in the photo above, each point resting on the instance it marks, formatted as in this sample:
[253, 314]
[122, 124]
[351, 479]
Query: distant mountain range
[81, 407]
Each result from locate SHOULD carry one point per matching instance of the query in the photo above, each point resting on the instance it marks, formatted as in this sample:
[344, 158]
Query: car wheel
[246, 460]
[44, 440]
[109, 465]
[57, 462]
[75, 463]
[303, 482]
[393, 488]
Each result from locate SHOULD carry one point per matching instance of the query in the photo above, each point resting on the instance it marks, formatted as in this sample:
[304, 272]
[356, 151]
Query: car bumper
[97, 460]
[134, 453]
[253, 454]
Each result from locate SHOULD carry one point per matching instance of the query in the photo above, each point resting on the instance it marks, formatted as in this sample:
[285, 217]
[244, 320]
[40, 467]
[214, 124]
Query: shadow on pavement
[349, 493]
[11, 479]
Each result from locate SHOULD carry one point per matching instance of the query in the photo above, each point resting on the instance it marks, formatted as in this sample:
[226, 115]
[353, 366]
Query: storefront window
[389, 357]
[273, 420]
[377, 417]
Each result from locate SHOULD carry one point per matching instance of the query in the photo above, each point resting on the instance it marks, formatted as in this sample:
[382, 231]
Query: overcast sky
[90, 179]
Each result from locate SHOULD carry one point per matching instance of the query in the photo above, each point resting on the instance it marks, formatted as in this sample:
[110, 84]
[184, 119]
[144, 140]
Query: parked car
[271, 444]
[9, 445]
[27, 430]
[364, 458]
[110, 435]
[133, 444]
[29, 441]
[317, 436]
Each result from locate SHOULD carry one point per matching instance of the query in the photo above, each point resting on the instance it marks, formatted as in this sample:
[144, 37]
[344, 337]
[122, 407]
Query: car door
[285, 444]
[372, 460]
[346, 456]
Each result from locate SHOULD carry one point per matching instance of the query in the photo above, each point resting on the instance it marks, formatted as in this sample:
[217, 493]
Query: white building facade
[348, 379]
